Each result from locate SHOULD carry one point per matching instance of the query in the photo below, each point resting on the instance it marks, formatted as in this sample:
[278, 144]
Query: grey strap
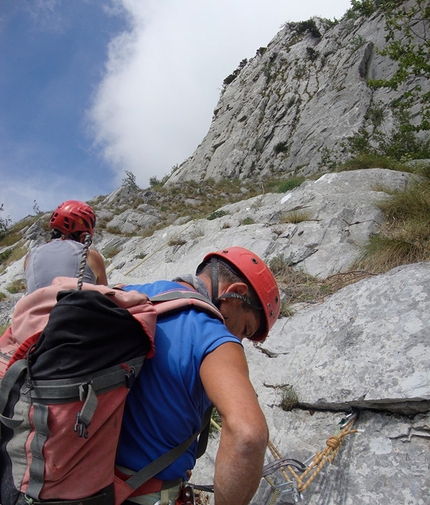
[9, 380]
[85, 416]
[184, 299]
[196, 282]
[101, 382]
[176, 295]
[167, 458]
[99, 499]
[41, 433]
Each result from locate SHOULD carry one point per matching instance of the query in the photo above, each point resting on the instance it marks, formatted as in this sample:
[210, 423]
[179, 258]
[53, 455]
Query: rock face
[292, 107]
[366, 347]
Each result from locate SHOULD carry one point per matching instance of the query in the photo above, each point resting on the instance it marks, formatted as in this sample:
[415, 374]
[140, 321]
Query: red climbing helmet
[73, 216]
[259, 276]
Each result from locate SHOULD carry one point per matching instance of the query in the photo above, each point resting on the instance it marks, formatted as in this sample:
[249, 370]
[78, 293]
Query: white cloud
[163, 77]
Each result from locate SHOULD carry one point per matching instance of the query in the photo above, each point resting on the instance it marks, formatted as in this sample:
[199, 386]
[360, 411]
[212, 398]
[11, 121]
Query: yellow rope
[333, 444]
[214, 423]
[275, 491]
[277, 455]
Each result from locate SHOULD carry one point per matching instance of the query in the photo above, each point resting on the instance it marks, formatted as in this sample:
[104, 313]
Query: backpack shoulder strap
[9, 380]
[174, 301]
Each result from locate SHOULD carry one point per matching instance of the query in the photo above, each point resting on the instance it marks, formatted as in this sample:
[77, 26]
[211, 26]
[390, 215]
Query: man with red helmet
[70, 223]
[199, 361]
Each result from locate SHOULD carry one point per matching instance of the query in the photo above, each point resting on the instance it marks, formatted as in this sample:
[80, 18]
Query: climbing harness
[297, 475]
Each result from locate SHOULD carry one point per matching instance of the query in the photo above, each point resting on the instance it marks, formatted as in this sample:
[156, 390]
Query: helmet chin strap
[215, 285]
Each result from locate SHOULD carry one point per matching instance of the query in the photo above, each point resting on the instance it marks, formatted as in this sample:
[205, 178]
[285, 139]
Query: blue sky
[92, 88]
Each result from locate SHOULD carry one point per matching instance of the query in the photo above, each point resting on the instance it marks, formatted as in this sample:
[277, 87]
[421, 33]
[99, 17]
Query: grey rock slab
[387, 462]
[368, 346]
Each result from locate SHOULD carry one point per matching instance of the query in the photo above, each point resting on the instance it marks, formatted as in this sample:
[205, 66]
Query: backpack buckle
[130, 377]
[81, 427]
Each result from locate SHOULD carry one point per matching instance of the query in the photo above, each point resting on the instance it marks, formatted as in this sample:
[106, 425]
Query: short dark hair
[76, 236]
[228, 273]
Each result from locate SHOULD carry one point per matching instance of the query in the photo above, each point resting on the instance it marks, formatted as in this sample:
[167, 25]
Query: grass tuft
[297, 286]
[364, 161]
[405, 236]
[17, 286]
[295, 217]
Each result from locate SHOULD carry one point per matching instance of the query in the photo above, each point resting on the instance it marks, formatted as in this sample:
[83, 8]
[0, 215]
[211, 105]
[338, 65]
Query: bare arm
[26, 261]
[244, 435]
[97, 264]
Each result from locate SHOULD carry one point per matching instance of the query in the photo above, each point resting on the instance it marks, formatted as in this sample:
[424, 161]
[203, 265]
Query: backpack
[71, 356]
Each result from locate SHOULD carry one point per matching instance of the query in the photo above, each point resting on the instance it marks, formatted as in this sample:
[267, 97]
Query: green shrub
[111, 252]
[141, 256]
[401, 143]
[229, 79]
[216, 214]
[5, 255]
[308, 26]
[289, 398]
[281, 147]
[373, 160]
[17, 286]
[10, 238]
[295, 216]
[405, 236]
[129, 181]
[363, 7]
[11, 255]
[422, 168]
[297, 286]
[289, 184]
[176, 241]
[312, 53]
[286, 310]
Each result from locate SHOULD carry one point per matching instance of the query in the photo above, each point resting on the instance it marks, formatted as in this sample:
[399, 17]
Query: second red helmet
[73, 216]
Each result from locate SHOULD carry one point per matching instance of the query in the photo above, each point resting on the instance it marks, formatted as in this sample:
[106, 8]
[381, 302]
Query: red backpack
[71, 356]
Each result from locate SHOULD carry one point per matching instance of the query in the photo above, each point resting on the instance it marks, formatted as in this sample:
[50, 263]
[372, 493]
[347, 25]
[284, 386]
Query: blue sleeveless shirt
[167, 401]
[58, 258]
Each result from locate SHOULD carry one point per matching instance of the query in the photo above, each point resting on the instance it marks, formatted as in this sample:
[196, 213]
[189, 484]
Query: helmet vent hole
[254, 261]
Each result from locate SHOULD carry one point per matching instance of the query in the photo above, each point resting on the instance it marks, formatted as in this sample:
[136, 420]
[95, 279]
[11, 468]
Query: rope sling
[297, 475]
[295, 483]
[85, 251]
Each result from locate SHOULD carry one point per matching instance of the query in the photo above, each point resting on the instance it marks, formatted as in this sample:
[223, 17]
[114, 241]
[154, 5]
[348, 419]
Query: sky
[91, 90]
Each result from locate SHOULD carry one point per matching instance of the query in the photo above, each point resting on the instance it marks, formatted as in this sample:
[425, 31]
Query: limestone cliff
[291, 108]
